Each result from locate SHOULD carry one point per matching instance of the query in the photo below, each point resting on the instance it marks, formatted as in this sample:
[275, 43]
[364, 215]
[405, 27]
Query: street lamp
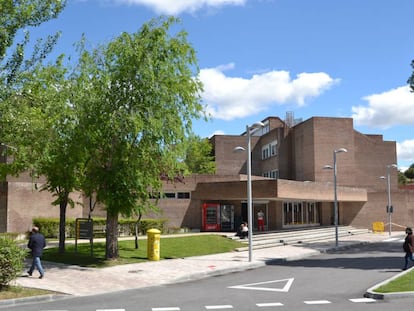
[335, 191]
[389, 206]
[249, 129]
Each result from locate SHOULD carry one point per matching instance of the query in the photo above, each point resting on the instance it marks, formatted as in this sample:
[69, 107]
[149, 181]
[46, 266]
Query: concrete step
[294, 237]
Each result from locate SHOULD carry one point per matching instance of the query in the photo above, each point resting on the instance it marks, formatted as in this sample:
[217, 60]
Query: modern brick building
[289, 182]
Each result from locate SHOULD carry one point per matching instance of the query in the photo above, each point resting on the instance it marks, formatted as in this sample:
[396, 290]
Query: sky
[261, 58]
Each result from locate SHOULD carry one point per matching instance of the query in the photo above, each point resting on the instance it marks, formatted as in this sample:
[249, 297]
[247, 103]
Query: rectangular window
[169, 195]
[183, 195]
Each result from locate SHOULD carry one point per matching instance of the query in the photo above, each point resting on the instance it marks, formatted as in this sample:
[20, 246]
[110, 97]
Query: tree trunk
[111, 236]
[62, 223]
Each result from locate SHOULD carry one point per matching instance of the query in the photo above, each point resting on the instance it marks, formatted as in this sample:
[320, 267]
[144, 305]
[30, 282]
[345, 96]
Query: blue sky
[260, 58]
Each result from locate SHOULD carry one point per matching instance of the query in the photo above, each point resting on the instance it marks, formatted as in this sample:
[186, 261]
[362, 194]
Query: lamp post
[249, 183]
[389, 206]
[335, 191]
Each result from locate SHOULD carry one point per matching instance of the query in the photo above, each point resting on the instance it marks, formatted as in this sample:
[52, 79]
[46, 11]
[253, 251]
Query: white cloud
[174, 7]
[394, 107]
[229, 98]
[405, 151]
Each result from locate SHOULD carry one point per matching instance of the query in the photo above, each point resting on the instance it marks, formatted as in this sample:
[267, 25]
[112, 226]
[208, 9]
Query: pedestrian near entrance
[408, 247]
[260, 220]
[37, 243]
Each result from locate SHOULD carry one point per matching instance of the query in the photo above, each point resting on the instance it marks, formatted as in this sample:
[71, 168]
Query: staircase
[296, 237]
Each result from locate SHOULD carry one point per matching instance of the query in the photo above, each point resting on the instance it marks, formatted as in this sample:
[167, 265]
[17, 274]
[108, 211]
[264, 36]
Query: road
[334, 281]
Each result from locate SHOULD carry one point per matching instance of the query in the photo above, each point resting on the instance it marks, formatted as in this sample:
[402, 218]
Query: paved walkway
[79, 281]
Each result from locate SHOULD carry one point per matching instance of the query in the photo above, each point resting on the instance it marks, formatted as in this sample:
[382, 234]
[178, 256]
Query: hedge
[50, 226]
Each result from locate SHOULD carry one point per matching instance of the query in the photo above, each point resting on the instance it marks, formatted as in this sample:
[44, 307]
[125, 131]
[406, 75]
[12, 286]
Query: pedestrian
[244, 230]
[260, 220]
[37, 243]
[408, 247]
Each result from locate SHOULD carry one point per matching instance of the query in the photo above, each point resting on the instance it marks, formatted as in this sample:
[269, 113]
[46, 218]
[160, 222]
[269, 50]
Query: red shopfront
[217, 217]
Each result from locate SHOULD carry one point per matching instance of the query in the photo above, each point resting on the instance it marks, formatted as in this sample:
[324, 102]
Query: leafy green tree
[199, 158]
[16, 16]
[402, 180]
[140, 95]
[410, 80]
[409, 173]
[40, 122]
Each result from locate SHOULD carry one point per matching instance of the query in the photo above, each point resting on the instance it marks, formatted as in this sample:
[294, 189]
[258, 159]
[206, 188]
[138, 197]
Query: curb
[370, 293]
[27, 300]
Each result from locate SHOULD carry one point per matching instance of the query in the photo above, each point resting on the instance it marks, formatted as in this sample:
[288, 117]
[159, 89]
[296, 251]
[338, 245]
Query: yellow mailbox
[153, 244]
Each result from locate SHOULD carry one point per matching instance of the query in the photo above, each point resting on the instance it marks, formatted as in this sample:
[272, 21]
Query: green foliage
[410, 80]
[11, 261]
[409, 173]
[50, 226]
[198, 158]
[19, 16]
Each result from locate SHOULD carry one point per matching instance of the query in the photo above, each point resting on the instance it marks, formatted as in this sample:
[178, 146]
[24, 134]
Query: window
[269, 150]
[183, 195]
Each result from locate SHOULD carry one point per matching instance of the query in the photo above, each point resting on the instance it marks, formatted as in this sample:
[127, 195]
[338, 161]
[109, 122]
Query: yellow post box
[153, 244]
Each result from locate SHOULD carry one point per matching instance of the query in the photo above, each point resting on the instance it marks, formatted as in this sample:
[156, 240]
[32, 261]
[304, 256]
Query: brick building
[289, 182]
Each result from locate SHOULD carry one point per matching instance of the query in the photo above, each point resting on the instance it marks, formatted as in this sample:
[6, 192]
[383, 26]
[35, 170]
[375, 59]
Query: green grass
[171, 247]
[404, 283]
[14, 292]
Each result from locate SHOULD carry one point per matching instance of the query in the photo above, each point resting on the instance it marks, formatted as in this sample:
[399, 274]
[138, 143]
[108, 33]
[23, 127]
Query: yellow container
[153, 244]
[378, 227]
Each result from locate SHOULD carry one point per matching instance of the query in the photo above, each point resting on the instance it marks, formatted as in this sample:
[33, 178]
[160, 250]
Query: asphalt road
[334, 281]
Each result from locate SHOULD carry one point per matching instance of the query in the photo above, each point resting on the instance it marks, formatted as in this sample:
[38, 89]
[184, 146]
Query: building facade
[290, 182]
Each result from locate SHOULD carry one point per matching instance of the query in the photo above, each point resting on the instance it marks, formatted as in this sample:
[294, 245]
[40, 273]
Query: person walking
[260, 220]
[408, 247]
[37, 243]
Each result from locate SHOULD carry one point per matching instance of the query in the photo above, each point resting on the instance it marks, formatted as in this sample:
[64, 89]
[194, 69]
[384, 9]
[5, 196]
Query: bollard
[153, 244]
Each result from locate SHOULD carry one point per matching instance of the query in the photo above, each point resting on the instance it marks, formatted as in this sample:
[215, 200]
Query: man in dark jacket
[36, 243]
[408, 247]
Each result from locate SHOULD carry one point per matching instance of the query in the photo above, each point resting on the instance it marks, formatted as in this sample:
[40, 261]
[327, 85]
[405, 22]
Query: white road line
[363, 300]
[269, 304]
[166, 309]
[218, 307]
[317, 302]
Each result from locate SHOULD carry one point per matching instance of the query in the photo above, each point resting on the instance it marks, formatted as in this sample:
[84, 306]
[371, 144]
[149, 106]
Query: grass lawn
[171, 247]
[404, 283]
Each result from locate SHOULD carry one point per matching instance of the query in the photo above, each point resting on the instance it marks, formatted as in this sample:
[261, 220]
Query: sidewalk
[79, 281]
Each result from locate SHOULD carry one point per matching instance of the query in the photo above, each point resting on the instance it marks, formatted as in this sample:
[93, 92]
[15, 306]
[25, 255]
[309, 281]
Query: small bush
[11, 261]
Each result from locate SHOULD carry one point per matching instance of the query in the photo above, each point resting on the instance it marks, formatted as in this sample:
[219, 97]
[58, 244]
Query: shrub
[11, 260]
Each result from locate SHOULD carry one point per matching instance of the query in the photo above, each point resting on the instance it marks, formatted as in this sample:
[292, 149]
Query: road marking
[252, 286]
[363, 300]
[317, 302]
[269, 304]
[166, 309]
[218, 307]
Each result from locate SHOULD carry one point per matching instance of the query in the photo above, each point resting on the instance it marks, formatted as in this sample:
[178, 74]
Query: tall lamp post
[335, 191]
[249, 129]
[389, 206]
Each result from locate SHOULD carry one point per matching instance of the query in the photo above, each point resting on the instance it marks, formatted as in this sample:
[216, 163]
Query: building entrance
[300, 214]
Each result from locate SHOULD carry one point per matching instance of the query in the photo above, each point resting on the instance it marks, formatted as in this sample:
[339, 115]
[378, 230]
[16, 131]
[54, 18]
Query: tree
[410, 80]
[199, 158]
[19, 15]
[142, 95]
[41, 123]
[409, 173]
